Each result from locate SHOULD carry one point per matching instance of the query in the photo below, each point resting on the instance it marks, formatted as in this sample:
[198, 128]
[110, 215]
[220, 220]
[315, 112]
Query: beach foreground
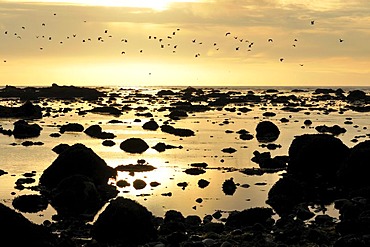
[96, 201]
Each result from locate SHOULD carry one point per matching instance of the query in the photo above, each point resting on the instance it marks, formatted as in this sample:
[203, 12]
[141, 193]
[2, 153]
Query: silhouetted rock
[335, 129]
[139, 184]
[124, 222]
[106, 110]
[353, 173]
[134, 145]
[161, 147]
[16, 230]
[316, 156]
[30, 203]
[285, 194]
[76, 195]
[150, 125]
[229, 187]
[356, 95]
[73, 127]
[250, 217]
[177, 131]
[96, 131]
[60, 148]
[194, 171]
[22, 129]
[25, 111]
[55, 91]
[77, 159]
[202, 183]
[267, 131]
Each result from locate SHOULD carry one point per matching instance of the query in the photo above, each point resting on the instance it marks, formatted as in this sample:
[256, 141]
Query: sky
[185, 43]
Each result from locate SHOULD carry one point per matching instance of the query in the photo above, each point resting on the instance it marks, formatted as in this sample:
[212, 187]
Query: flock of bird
[164, 42]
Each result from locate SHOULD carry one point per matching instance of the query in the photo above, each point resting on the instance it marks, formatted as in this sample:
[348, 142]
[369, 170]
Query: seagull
[270, 40]
[341, 40]
[228, 33]
[281, 59]
[312, 22]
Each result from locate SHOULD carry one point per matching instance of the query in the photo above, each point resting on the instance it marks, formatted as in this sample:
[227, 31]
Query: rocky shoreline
[319, 170]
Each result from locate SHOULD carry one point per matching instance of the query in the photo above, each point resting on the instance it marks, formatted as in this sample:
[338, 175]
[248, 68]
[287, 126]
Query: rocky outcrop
[124, 222]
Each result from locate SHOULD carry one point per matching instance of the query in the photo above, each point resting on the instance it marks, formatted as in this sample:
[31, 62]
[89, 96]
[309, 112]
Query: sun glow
[151, 4]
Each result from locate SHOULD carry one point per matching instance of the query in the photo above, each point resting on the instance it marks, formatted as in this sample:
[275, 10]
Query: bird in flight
[281, 59]
[341, 40]
[312, 22]
[228, 33]
[270, 40]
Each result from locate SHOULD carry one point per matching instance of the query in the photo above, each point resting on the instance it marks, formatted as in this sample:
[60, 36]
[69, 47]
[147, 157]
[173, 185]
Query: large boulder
[354, 173]
[316, 156]
[22, 129]
[16, 230]
[124, 222]
[96, 131]
[134, 145]
[76, 195]
[267, 131]
[77, 160]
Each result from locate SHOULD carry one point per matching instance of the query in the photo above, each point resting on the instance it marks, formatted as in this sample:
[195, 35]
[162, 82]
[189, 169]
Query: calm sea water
[206, 146]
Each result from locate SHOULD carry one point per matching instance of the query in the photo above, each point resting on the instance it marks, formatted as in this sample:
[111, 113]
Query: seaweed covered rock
[134, 145]
[16, 230]
[316, 156]
[124, 222]
[267, 131]
[77, 160]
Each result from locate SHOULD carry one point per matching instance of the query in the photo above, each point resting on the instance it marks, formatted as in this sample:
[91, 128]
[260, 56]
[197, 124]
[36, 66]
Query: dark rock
[175, 114]
[55, 91]
[139, 184]
[108, 143]
[124, 222]
[202, 183]
[22, 129]
[199, 165]
[285, 194]
[313, 155]
[250, 217]
[76, 195]
[150, 125]
[229, 150]
[97, 132]
[177, 131]
[58, 149]
[134, 145]
[78, 159]
[353, 172]
[194, 171]
[356, 95]
[135, 168]
[122, 183]
[106, 110]
[229, 187]
[25, 111]
[73, 127]
[267, 131]
[30, 203]
[16, 230]
[161, 147]
[335, 129]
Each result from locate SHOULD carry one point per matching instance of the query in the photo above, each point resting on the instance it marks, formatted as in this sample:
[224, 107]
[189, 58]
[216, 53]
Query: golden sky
[167, 42]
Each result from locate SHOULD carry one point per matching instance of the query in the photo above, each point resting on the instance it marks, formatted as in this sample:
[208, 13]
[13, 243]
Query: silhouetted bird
[312, 22]
[270, 40]
[281, 59]
[341, 40]
[228, 33]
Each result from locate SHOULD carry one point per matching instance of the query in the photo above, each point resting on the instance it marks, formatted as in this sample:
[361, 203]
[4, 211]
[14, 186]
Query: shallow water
[210, 138]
